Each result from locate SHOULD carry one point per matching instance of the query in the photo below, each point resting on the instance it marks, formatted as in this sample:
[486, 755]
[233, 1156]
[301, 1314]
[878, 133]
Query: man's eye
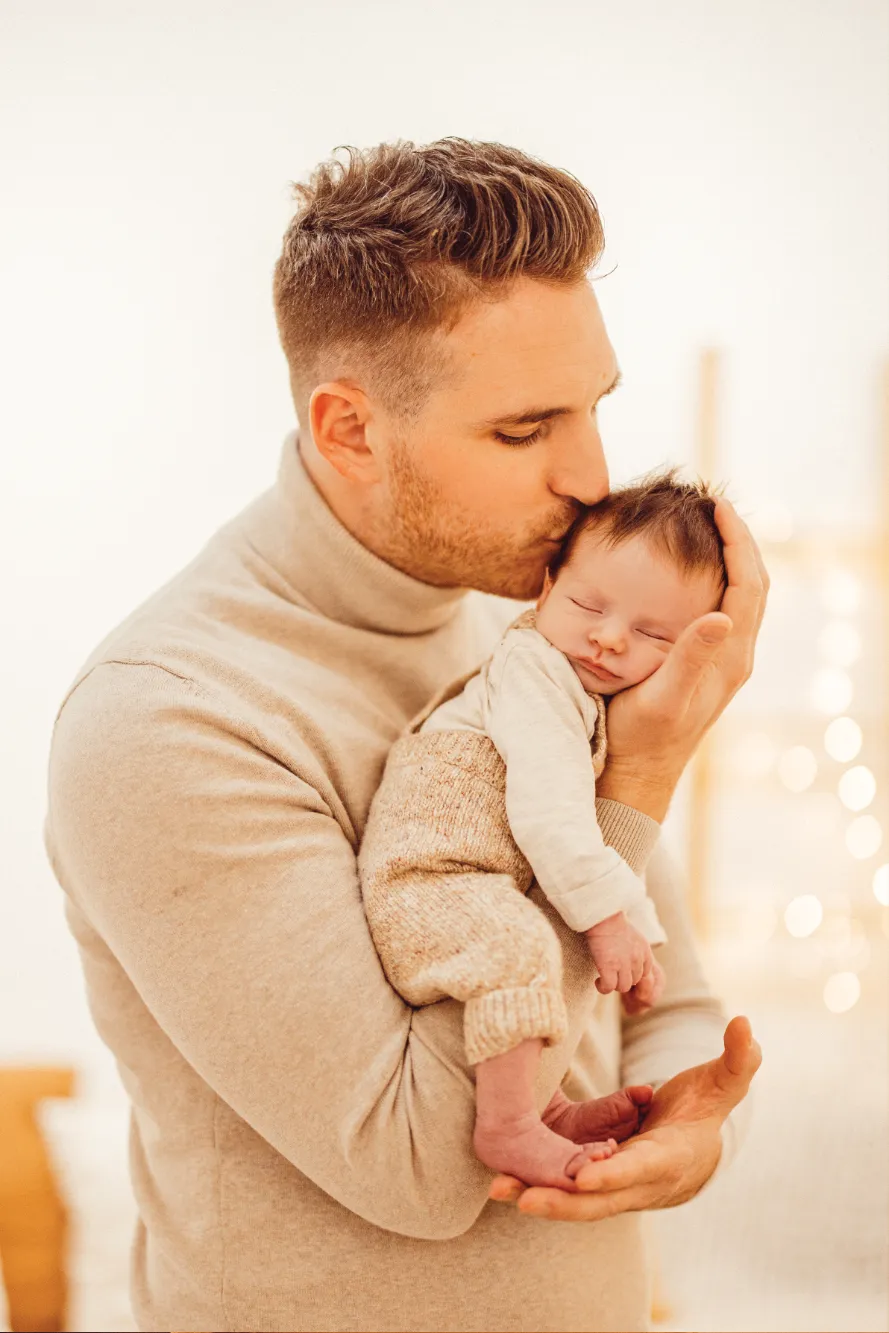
[516, 441]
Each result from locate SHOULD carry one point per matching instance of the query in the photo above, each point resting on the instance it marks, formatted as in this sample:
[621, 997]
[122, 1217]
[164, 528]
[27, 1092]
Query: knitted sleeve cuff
[631, 834]
[495, 1022]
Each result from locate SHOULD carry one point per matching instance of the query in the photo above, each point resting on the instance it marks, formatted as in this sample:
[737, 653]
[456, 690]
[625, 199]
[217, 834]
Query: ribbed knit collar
[329, 569]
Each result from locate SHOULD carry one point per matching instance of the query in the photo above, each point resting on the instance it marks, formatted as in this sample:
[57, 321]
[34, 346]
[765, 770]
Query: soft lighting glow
[832, 690]
[881, 885]
[842, 739]
[841, 992]
[772, 522]
[802, 916]
[754, 754]
[840, 643]
[863, 837]
[841, 592]
[857, 787]
[797, 768]
[758, 922]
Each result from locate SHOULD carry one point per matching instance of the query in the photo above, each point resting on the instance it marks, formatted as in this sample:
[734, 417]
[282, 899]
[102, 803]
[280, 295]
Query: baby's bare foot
[614, 1117]
[527, 1149]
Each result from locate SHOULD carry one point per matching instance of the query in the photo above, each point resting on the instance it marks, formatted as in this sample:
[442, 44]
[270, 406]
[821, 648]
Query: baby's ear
[547, 587]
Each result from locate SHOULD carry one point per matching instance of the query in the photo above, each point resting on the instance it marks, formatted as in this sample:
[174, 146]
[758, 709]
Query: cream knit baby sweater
[529, 701]
[301, 1146]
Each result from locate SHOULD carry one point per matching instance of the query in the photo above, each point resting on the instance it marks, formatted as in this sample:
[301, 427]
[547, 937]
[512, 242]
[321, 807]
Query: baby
[493, 787]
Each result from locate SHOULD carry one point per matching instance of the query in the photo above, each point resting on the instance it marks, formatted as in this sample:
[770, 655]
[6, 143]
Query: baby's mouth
[596, 668]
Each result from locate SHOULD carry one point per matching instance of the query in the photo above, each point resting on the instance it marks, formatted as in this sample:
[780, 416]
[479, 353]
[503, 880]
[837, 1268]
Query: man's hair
[396, 245]
[677, 517]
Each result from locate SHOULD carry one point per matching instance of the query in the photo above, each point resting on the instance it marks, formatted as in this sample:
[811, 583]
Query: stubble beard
[428, 537]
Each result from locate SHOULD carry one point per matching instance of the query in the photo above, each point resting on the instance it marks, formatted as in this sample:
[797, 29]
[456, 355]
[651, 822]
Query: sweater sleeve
[686, 1027]
[540, 734]
[227, 889]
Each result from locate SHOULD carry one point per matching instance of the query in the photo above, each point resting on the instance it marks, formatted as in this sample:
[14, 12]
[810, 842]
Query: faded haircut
[388, 250]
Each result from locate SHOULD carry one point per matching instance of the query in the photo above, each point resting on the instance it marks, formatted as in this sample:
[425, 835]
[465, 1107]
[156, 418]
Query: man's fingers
[505, 1189]
[689, 658]
[539, 1202]
[639, 1162]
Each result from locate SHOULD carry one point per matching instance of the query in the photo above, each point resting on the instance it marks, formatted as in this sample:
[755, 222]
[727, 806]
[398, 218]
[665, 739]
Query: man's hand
[674, 1155]
[655, 727]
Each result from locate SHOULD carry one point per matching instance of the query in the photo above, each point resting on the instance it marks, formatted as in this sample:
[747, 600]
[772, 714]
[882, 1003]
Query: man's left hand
[674, 1155]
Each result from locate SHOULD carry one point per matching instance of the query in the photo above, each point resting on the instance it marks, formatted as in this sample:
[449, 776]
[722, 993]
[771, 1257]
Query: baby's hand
[621, 953]
[646, 992]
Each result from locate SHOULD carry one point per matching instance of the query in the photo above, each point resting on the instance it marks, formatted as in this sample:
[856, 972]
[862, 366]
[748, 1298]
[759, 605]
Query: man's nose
[579, 471]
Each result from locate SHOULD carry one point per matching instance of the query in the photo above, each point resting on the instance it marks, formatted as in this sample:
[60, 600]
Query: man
[301, 1148]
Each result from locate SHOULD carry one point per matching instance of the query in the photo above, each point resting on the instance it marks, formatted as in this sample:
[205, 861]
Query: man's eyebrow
[531, 414]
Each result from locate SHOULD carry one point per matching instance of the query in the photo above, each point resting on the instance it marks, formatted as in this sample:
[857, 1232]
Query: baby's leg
[509, 1133]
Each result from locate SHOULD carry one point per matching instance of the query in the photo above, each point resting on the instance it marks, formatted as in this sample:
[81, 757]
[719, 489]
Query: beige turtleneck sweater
[301, 1139]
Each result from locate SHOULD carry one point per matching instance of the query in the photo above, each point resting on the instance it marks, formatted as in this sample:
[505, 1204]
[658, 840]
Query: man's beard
[429, 538]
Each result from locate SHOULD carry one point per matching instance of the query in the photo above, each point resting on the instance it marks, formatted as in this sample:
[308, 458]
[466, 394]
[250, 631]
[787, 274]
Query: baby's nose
[609, 636]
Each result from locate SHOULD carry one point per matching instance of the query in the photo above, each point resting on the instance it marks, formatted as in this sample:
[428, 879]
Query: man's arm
[228, 891]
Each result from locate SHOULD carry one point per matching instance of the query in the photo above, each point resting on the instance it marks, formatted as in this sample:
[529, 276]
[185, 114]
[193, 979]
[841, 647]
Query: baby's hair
[676, 516]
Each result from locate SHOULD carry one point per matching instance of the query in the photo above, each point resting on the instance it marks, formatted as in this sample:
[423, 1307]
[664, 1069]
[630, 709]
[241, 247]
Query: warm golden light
[802, 915]
[841, 992]
[842, 739]
[797, 768]
[832, 690]
[857, 787]
[881, 885]
[864, 837]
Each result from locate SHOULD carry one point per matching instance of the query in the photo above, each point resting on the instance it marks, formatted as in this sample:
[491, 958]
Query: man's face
[464, 508]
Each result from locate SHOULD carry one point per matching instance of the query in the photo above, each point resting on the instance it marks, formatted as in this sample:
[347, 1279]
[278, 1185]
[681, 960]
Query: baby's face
[615, 612]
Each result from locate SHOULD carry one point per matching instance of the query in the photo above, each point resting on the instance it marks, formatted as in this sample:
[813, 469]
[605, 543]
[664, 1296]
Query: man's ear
[547, 588]
[339, 414]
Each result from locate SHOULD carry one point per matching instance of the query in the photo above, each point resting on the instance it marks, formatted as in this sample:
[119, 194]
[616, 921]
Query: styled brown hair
[395, 245]
[676, 516]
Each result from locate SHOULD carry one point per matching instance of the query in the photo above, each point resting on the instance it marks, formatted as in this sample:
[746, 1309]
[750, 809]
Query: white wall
[738, 152]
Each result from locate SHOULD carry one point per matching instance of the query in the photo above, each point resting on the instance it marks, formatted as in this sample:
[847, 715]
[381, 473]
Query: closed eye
[649, 635]
[595, 609]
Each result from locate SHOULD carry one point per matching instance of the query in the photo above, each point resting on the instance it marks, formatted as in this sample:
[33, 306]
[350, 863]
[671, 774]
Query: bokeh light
[841, 992]
[802, 915]
[797, 768]
[842, 739]
[832, 690]
[881, 885]
[840, 643]
[857, 787]
[864, 837]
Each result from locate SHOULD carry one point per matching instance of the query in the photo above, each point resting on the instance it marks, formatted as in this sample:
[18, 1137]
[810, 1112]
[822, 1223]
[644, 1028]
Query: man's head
[633, 573]
[424, 297]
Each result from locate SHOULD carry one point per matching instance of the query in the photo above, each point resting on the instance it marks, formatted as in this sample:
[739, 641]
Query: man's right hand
[655, 727]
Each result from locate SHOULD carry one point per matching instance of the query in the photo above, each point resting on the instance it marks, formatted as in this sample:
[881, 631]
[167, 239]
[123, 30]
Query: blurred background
[739, 153]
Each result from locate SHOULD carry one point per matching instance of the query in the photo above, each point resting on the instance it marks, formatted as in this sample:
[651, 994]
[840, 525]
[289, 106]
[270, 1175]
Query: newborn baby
[493, 787]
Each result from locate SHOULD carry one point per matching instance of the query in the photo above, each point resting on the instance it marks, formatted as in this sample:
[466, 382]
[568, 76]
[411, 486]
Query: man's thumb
[742, 1055]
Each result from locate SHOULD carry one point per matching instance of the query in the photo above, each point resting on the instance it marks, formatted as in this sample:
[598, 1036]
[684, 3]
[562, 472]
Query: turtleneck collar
[330, 571]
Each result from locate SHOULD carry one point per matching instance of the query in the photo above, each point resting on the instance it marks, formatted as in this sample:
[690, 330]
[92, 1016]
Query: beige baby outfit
[492, 787]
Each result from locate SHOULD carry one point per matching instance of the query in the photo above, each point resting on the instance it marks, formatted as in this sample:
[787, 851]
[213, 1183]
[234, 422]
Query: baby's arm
[538, 729]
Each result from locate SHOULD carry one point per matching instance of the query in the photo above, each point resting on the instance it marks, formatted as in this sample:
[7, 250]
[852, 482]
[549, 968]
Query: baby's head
[633, 572]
